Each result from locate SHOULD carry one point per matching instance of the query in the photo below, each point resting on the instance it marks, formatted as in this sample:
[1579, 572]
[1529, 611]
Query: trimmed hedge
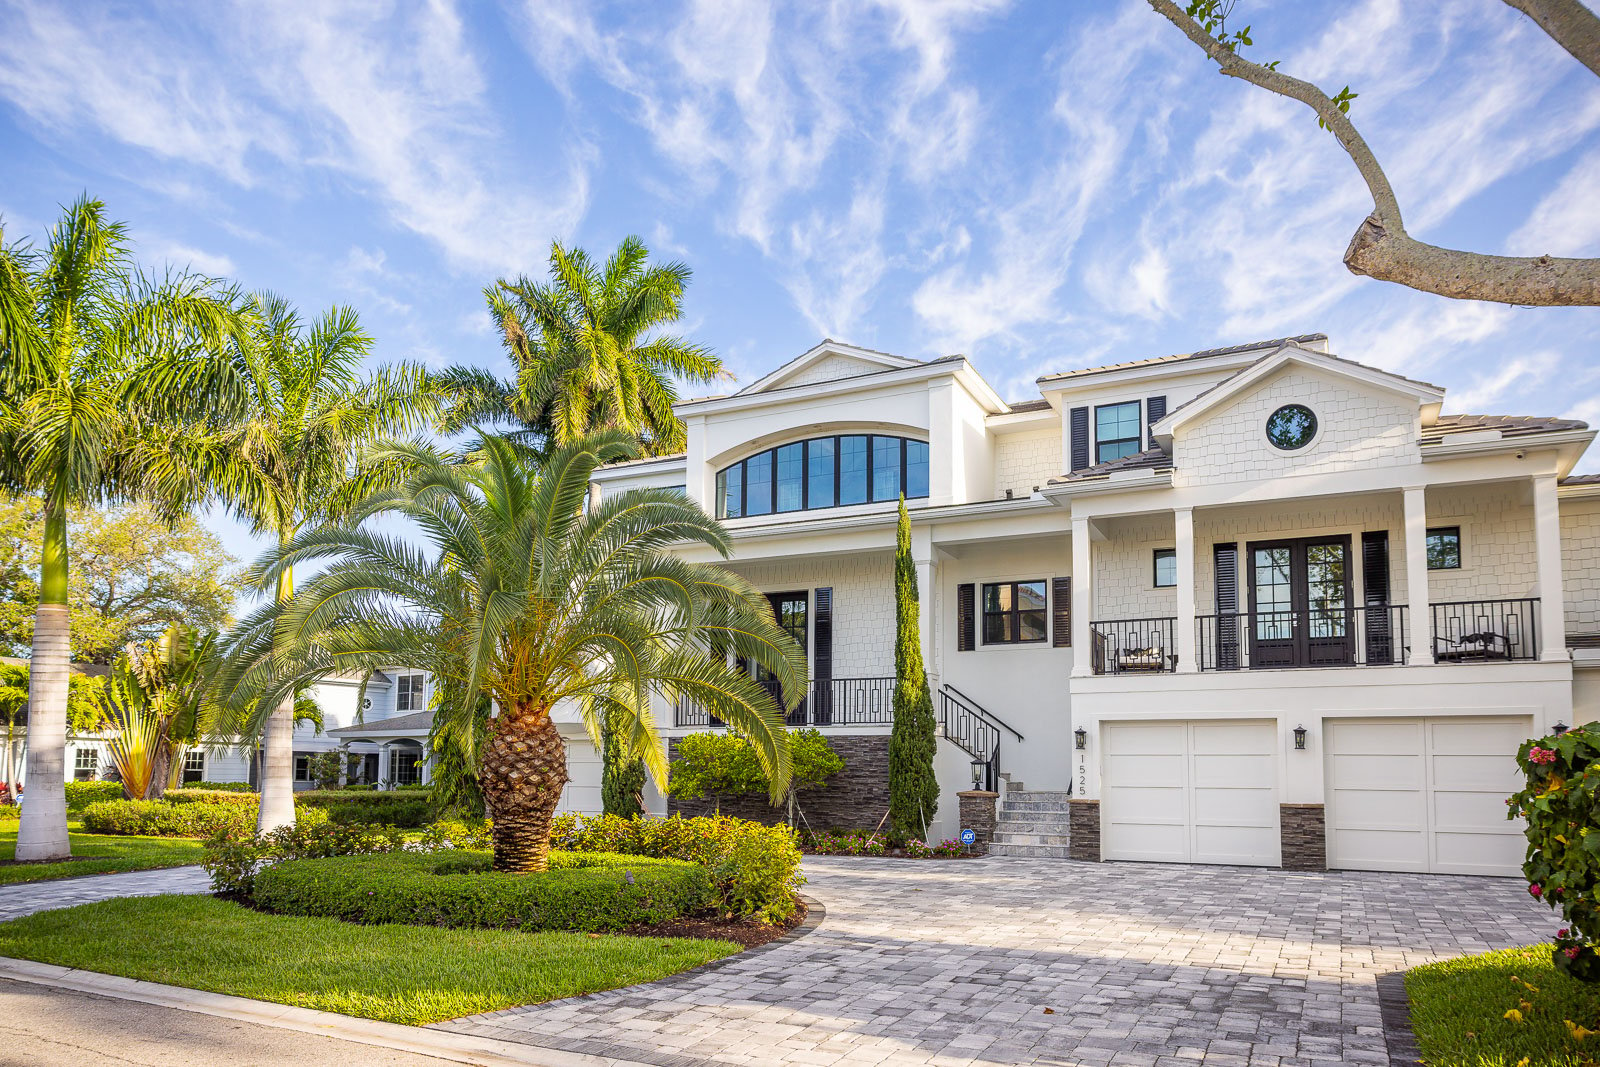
[213, 796]
[592, 892]
[81, 794]
[406, 808]
[156, 818]
[755, 868]
[234, 860]
[224, 787]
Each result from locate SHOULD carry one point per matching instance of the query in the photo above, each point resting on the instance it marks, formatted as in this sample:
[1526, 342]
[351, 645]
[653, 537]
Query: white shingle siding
[1499, 557]
[863, 605]
[1580, 559]
[830, 368]
[1124, 571]
[1024, 460]
[1357, 429]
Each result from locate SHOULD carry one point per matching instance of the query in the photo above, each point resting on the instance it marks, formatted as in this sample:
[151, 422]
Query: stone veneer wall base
[1303, 831]
[978, 815]
[1084, 830]
[854, 799]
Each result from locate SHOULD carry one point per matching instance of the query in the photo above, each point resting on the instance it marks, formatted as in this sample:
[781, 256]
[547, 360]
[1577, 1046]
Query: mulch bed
[745, 932]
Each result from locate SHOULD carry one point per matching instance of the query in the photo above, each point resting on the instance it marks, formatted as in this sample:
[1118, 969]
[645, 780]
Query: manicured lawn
[1458, 1011]
[98, 854]
[402, 974]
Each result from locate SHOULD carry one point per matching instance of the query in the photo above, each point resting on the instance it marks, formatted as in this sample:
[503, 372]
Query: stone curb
[1395, 1008]
[424, 1041]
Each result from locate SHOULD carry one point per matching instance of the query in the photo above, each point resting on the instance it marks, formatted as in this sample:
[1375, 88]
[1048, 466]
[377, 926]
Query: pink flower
[1536, 889]
[1572, 953]
[1562, 932]
[1541, 755]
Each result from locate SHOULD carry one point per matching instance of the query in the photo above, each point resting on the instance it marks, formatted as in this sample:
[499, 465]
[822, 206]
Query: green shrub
[226, 787]
[455, 834]
[156, 818]
[456, 889]
[212, 796]
[755, 869]
[234, 859]
[1563, 830]
[10, 813]
[406, 808]
[81, 794]
[722, 763]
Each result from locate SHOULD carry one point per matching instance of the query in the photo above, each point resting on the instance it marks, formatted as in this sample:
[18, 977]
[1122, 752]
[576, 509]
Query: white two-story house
[1251, 605]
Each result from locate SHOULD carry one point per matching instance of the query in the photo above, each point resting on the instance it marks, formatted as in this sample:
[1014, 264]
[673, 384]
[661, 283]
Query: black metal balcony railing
[1370, 636]
[1476, 631]
[828, 702]
[1129, 646]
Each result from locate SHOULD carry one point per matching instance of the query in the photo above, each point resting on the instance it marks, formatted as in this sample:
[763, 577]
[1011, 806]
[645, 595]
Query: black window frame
[198, 772]
[1155, 568]
[1137, 440]
[1427, 537]
[734, 473]
[1014, 612]
[302, 766]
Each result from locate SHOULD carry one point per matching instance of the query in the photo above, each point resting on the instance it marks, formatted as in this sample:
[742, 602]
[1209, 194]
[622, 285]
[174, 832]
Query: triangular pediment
[827, 362]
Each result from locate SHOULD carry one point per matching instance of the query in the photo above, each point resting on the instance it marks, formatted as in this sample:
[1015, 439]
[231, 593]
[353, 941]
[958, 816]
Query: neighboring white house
[1255, 605]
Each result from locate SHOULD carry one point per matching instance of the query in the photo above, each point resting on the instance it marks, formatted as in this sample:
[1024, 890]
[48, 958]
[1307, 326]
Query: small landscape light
[1300, 738]
[1559, 729]
[1082, 736]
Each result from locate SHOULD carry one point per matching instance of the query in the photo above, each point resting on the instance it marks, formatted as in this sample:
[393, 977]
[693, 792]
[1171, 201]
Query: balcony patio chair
[1485, 644]
[1143, 659]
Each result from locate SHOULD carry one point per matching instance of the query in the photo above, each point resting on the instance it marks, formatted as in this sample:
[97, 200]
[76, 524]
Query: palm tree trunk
[277, 744]
[42, 834]
[523, 770]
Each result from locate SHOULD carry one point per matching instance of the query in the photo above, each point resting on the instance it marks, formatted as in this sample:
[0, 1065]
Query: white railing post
[1416, 531]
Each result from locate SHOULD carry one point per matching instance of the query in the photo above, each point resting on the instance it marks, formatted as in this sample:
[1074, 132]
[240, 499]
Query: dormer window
[823, 472]
[1117, 431]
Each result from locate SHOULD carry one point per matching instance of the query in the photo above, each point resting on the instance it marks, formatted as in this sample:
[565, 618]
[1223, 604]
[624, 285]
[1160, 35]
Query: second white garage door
[1424, 795]
[582, 794]
[1191, 792]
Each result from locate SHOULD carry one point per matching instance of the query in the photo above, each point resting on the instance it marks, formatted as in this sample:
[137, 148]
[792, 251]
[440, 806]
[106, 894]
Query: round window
[1291, 426]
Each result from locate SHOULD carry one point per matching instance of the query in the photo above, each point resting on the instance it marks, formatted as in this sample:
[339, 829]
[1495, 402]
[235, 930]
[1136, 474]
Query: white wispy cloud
[1566, 221]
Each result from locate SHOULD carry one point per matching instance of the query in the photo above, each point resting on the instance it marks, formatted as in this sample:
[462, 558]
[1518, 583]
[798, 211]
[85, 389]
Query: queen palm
[296, 458]
[103, 371]
[584, 353]
[533, 601]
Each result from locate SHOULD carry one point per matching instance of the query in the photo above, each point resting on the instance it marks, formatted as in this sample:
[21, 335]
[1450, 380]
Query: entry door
[1300, 603]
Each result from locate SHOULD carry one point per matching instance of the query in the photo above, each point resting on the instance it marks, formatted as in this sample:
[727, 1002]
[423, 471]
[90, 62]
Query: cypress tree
[913, 789]
[621, 779]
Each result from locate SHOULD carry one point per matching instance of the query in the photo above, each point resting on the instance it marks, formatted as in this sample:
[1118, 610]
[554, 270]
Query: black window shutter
[1061, 612]
[1375, 582]
[1155, 409]
[1080, 438]
[822, 656]
[966, 621]
[1225, 564]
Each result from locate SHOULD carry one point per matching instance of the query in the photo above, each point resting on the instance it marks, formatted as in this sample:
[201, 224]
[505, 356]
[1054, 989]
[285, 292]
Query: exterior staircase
[1031, 822]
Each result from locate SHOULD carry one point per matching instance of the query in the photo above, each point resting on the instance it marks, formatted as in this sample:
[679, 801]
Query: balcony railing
[1134, 646]
[828, 702]
[1477, 631]
[1369, 636]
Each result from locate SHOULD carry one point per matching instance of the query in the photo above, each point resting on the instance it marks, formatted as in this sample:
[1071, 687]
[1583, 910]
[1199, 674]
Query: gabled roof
[417, 722]
[1183, 357]
[877, 361]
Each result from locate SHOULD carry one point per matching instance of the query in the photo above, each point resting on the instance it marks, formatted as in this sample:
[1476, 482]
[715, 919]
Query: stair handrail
[982, 712]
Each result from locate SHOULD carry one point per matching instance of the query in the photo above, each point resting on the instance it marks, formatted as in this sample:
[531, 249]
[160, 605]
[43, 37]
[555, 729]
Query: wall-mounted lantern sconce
[1300, 738]
[979, 767]
[1082, 737]
[1559, 729]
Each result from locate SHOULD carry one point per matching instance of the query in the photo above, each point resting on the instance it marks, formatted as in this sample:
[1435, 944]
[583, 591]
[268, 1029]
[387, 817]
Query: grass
[98, 854]
[1458, 1011]
[401, 974]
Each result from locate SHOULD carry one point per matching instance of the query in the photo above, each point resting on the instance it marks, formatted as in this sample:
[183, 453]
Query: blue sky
[1038, 185]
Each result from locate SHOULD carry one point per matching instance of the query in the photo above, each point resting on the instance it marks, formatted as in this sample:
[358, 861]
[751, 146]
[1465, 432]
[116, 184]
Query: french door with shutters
[790, 609]
[1300, 603]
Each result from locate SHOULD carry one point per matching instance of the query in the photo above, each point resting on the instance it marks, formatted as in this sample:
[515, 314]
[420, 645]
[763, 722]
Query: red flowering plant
[1562, 811]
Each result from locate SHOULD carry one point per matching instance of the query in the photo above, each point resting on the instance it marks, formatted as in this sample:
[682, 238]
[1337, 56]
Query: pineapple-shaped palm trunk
[522, 774]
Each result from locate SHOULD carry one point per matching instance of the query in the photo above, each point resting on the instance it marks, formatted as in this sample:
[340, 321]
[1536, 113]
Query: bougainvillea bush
[1563, 828]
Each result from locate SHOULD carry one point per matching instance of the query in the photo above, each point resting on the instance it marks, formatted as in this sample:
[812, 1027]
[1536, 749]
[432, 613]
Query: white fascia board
[821, 351]
[1587, 491]
[1020, 421]
[664, 465]
[958, 368]
[883, 516]
[1284, 356]
[1570, 444]
[1062, 493]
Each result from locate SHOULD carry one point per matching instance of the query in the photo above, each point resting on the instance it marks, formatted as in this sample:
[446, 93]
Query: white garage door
[582, 793]
[1425, 795]
[1191, 792]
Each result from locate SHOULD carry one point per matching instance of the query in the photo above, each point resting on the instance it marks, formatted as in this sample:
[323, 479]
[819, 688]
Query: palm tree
[297, 459]
[532, 601]
[583, 352]
[102, 371]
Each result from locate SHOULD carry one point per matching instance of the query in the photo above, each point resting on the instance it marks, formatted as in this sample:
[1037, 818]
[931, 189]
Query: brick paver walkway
[1011, 961]
[29, 897]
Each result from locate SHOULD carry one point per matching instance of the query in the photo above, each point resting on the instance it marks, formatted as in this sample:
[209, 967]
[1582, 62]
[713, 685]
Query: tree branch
[1381, 248]
[1569, 24]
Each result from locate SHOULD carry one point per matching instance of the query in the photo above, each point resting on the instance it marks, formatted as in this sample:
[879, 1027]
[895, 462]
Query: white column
[344, 763]
[1183, 525]
[1420, 611]
[383, 765]
[1547, 539]
[1082, 649]
[928, 616]
[427, 765]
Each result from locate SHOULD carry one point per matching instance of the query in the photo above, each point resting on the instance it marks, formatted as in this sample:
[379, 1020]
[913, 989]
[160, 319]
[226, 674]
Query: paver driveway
[1139, 964]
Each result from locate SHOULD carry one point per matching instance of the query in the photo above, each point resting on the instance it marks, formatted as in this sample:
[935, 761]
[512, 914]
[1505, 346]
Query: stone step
[1050, 852]
[1008, 837]
[1032, 826]
[1034, 806]
[1059, 795]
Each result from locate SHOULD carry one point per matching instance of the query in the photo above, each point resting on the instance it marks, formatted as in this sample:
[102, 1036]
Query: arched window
[823, 472]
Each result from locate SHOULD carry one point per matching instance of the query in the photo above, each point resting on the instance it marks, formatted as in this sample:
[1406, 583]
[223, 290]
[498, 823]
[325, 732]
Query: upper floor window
[1117, 432]
[1013, 612]
[1444, 548]
[823, 472]
[1166, 567]
[408, 697]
